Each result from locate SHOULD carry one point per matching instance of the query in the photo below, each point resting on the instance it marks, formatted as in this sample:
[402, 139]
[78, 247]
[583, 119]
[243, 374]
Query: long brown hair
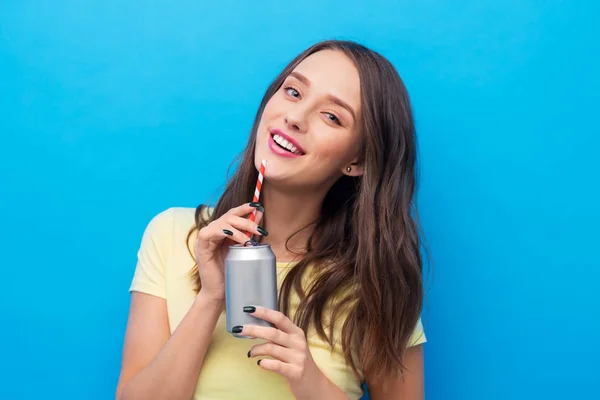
[367, 236]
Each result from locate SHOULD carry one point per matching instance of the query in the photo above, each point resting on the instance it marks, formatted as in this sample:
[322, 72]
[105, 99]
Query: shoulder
[171, 225]
[176, 221]
[171, 220]
[162, 249]
[418, 336]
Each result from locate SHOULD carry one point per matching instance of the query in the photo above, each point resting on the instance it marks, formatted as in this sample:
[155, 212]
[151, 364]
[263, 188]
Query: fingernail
[255, 204]
[249, 309]
[258, 362]
[237, 329]
[227, 232]
[262, 231]
[249, 354]
[260, 208]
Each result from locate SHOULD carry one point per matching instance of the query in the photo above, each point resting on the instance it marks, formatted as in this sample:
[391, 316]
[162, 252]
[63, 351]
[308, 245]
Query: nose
[296, 120]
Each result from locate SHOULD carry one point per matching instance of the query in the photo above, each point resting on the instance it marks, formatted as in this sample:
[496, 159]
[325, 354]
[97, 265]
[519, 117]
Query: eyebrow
[330, 97]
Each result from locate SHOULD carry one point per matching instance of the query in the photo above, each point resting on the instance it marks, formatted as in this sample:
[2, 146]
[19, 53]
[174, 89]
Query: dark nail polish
[249, 354]
[237, 329]
[255, 204]
[249, 309]
[260, 208]
[227, 232]
[258, 362]
[262, 231]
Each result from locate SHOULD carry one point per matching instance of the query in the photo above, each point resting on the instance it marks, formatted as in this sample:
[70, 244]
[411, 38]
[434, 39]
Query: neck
[289, 213]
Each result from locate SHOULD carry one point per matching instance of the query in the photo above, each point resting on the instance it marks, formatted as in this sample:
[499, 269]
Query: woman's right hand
[212, 243]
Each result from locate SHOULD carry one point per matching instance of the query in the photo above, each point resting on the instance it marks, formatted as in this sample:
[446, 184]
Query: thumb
[260, 211]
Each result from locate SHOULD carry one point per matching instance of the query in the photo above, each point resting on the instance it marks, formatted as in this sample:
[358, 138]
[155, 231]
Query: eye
[292, 92]
[333, 118]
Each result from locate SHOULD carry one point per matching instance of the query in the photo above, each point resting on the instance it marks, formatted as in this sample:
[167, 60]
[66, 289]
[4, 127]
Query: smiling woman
[336, 129]
[314, 111]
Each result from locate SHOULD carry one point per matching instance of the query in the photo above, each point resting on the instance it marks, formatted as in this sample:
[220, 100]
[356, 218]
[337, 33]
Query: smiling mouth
[285, 145]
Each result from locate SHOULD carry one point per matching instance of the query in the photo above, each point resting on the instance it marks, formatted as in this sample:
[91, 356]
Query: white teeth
[285, 144]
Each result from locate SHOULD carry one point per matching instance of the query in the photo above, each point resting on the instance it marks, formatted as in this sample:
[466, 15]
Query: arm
[409, 388]
[157, 365]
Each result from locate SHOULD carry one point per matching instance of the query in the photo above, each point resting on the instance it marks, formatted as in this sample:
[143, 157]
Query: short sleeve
[149, 276]
[418, 336]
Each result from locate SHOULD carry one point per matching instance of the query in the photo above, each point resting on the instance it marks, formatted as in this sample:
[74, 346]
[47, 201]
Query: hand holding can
[212, 243]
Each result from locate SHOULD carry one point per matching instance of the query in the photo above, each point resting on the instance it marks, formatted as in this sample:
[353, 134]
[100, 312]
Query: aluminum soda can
[250, 280]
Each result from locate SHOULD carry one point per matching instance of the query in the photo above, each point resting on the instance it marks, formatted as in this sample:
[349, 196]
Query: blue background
[112, 112]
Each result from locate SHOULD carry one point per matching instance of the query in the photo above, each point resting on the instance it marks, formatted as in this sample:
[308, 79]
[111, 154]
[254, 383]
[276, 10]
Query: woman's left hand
[288, 346]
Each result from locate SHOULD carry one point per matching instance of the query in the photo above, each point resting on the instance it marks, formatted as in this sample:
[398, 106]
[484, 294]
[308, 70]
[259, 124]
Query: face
[309, 131]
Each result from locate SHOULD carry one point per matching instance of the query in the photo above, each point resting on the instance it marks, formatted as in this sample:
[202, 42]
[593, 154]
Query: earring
[349, 169]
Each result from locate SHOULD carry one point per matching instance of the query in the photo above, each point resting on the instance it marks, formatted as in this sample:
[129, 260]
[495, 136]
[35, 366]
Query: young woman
[337, 208]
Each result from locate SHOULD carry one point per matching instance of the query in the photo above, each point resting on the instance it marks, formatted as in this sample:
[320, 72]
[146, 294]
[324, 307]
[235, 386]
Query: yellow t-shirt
[163, 267]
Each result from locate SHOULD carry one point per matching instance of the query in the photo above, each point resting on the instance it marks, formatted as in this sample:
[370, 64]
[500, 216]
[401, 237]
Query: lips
[283, 145]
[284, 139]
[278, 150]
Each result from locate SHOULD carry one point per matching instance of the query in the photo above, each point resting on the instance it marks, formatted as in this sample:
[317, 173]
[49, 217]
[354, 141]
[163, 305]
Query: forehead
[332, 72]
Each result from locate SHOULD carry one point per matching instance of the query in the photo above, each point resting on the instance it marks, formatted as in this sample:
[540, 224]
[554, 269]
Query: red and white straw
[259, 182]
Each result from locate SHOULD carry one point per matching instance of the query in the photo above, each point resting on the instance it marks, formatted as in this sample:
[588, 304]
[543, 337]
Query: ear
[356, 169]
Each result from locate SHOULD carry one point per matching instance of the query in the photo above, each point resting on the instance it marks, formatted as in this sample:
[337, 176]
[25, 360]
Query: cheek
[337, 149]
[272, 108]
[266, 116]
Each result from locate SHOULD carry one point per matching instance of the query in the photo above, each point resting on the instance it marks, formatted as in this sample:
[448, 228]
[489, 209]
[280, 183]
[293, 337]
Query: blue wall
[111, 112]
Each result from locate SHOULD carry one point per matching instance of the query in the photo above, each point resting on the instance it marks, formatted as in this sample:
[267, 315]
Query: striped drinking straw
[259, 182]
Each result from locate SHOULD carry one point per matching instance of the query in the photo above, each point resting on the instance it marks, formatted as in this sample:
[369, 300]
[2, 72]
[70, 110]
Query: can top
[251, 246]
[241, 252]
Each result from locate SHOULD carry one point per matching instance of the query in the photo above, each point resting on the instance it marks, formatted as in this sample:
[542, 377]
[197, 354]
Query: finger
[234, 234]
[288, 370]
[209, 238]
[269, 334]
[278, 319]
[271, 350]
[243, 210]
[245, 224]
[260, 211]
[214, 234]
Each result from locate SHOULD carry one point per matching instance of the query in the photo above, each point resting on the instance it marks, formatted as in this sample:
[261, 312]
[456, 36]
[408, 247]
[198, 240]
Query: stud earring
[349, 169]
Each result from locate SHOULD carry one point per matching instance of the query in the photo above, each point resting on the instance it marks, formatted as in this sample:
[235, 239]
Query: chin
[279, 177]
